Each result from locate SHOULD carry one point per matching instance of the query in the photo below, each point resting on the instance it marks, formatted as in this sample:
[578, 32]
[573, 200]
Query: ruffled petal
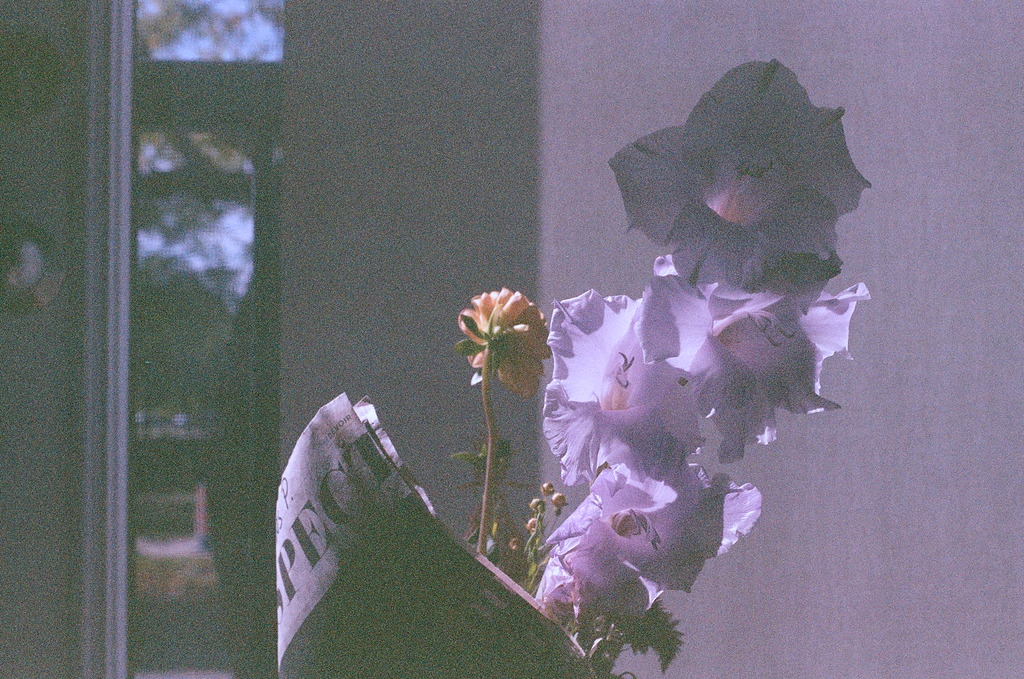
[826, 161]
[606, 404]
[639, 437]
[804, 221]
[636, 536]
[764, 104]
[604, 582]
[620, 488]
[827, 322]
[570, 429]
[556, 590]
[800, 276]
[708, 248]
[741, 510]
[584, 333]
[717, 514]
[727, 304]
[745, 353]
[673, 322]
[674, 557]
[731, 394]
[579, 521]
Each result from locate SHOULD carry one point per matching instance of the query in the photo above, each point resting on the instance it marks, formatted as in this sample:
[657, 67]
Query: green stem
[492, 437]
[605, 651]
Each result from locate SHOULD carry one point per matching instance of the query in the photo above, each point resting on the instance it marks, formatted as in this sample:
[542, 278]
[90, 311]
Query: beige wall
[890, 540]
[409, 185]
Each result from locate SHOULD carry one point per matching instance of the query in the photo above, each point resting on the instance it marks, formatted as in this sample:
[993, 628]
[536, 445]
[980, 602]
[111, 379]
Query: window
[202, 443]
[211, 30]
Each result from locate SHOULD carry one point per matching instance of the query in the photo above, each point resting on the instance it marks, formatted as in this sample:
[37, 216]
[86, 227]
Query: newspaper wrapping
[370, 584]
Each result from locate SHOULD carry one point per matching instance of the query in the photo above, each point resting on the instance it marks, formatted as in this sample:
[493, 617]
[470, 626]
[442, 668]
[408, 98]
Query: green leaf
[471, 325]
[466, 455]
[502, 448]
[468, 347]
[655, 630]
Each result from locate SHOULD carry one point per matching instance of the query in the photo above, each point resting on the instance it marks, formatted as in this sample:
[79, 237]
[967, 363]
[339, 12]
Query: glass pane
[157, 154]
[199, 248]
[164, 151]
[211, 30]
[194, 228]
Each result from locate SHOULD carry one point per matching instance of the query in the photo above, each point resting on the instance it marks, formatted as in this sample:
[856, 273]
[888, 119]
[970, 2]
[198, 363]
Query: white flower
[749, 190]
[745, 353]
[604, 403]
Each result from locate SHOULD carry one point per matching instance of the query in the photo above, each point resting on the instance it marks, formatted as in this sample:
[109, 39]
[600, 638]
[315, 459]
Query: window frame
[128, 91]
[105, 379]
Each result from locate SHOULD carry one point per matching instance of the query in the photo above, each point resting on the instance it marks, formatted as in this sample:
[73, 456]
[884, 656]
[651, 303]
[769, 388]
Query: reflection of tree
[169, 150]
[209, 241]
[212, 30]
[179, 333]
[190, 274]
[157, 153]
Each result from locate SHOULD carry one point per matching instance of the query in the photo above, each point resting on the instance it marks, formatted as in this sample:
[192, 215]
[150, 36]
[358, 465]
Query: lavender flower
[745, 353]
[634, 537]
[604, 403]
[749, 190]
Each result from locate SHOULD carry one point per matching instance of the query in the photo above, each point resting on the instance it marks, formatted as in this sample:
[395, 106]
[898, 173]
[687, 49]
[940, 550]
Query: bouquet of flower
[733, 325]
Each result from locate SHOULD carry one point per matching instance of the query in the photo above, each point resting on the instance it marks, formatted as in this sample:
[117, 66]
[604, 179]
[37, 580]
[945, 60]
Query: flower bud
[558, 500]
[536, 503]
[531, 525]
[514, 544]
[629, 523]
[548, 488]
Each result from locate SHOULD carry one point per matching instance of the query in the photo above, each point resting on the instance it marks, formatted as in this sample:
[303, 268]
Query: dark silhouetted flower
[748, 191]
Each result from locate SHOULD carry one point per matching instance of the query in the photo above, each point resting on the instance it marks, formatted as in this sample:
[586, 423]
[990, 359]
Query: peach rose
[514, 331]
